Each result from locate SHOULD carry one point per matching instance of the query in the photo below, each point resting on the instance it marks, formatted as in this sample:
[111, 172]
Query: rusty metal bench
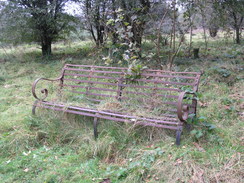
[96, 83]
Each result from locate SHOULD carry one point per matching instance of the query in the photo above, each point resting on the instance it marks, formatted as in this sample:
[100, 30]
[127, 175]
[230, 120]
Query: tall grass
[57, 147]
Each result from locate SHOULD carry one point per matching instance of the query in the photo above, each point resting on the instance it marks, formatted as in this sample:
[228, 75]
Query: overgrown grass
[56, 147]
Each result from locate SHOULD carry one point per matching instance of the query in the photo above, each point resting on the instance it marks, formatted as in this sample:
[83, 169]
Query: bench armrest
[182, 109]
[44, 91]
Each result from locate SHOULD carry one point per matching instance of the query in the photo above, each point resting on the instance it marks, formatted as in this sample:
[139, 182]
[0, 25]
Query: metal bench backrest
[99, 83]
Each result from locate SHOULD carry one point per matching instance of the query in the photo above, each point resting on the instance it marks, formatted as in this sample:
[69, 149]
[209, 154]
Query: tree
[42, 21]
[136, 16]
[95, 18]
[234, 9]
[98, 12]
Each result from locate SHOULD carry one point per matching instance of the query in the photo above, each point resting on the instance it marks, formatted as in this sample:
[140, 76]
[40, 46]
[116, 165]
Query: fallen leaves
[178, 162]
[203, 104]
[199, 148]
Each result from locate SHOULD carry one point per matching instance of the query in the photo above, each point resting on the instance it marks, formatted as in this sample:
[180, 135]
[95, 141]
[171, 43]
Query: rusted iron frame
[170, 117]
[119, 89]
[123, 119]
[132, 86]
[195, 89]
[45, 91]
[122, 73]
[113, 90]
[182, 109]
[126, 116]
[127, 92]
[124, 68]
[145, 80]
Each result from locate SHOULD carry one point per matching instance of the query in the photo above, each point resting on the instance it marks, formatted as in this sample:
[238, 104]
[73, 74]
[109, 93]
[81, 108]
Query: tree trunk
[115, 37]
[174, 24]
[196, 53]
[46, 47]
[238, 40]
[190, 44]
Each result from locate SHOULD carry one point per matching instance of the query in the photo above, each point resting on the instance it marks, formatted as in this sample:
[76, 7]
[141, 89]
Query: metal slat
[142, 74]
[124, 68]
[93, 76]
[95, 94]
[128, 85]
[113, 90]
[124, 73]
[164, 82]
[96, 71]
[124, 85]
[63, 108]
[91, 88]
[94, 82]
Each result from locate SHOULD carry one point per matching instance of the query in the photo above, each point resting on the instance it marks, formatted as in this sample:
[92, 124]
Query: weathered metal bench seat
[164, 89]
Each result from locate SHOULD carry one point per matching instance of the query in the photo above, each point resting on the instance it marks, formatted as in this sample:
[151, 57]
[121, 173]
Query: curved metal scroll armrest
[44, 91]
[182, 109]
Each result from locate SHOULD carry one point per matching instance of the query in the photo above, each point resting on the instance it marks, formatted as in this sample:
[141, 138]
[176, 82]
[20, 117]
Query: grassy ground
[53, 147]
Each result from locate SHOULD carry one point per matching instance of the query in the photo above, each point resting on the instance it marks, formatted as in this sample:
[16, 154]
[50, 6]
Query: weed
[58, 147]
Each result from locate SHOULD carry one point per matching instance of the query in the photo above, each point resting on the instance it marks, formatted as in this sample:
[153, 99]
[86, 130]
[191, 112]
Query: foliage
[39, 21]
[233, 14]
[134, 72]
[202, 127]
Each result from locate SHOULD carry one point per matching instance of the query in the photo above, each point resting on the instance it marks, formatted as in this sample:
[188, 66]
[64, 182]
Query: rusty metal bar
[86, 81]
[150, 94]
[113, 90]
[164, 82]
[128, 92]
[142, 74]
[97, 71]
[149, 81]
[94, 76]
[113, 118]
[124, 68]
[91, 88]
[95, 94]
[112, 113]
[128, 85]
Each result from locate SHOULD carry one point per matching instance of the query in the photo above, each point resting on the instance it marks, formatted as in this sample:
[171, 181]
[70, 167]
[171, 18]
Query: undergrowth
[56, 147]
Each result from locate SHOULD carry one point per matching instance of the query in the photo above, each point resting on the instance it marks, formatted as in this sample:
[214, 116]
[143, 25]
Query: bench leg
[34, 108]
[178, 134]
[95, 123]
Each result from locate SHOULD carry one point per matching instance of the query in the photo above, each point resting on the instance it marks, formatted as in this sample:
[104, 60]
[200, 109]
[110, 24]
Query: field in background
[54, 147]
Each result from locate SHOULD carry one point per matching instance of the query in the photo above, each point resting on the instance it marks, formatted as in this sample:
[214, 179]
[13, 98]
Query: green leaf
[202, 118]
[126, 23]
[110, 22]
[193, 132]
[199, 134]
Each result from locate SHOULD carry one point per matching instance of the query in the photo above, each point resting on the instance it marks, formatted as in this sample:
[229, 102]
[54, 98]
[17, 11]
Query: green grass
[55, 147]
